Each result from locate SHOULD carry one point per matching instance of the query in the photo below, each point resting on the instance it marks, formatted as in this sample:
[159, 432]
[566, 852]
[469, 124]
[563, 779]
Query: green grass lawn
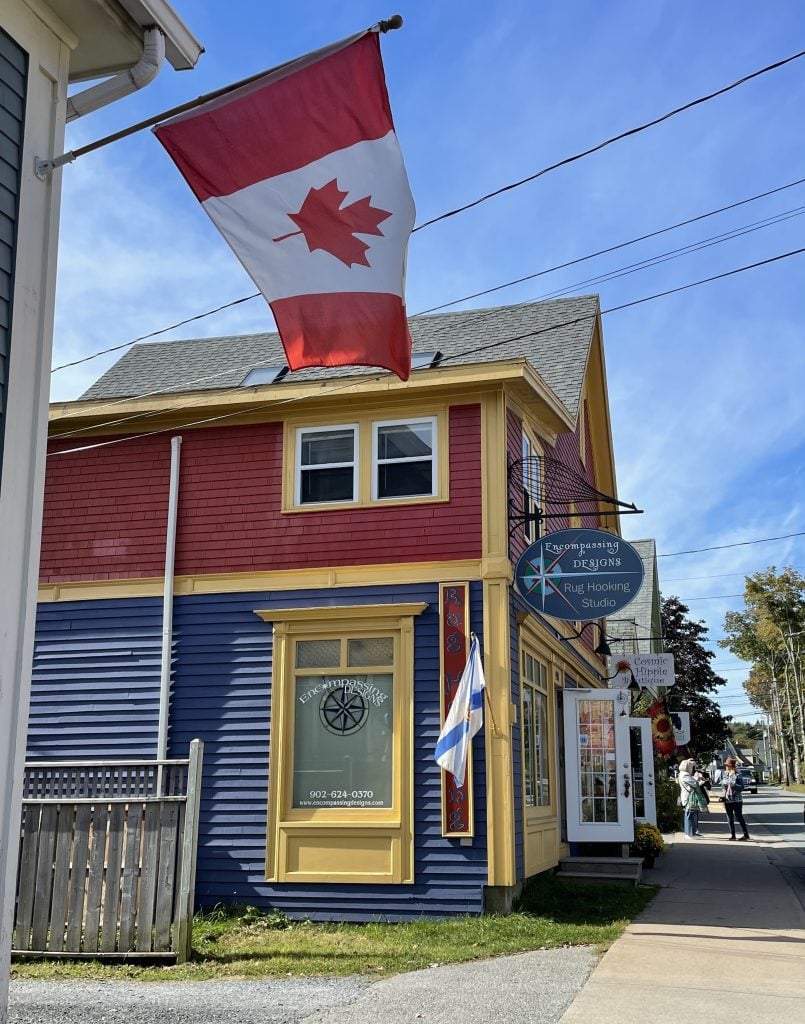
[796, 787]
[247, 943]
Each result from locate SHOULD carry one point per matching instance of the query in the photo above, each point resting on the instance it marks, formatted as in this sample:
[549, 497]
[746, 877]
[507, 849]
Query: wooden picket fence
[108, 858]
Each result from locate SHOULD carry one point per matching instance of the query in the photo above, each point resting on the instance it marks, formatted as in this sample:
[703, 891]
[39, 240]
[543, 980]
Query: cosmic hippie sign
[579, 575]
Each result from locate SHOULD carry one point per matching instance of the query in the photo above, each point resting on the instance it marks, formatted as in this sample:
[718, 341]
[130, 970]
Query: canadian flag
[301, 172]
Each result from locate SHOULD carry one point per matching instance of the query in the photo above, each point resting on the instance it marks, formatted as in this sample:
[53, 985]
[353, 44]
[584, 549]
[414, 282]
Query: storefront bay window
[341, 744]
[536, 732]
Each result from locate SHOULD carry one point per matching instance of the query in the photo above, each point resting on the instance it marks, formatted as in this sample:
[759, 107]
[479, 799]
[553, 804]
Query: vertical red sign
[457, 809]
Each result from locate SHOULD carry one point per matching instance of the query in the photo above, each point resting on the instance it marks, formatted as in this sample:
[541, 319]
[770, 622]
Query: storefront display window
[344, 726]
[536, 763]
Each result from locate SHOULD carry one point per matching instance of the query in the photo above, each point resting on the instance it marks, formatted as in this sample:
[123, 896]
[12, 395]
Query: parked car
[750, 779]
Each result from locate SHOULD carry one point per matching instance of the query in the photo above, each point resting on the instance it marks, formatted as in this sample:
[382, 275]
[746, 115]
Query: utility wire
[618, 272]
[153, 334]
[673, 254]
[609, 249]
[465, 298]
[613, 138]
[471, 351]
[714, 576]
[736, 544]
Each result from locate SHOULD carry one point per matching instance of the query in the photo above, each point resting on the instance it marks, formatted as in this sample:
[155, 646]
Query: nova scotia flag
[465, 717]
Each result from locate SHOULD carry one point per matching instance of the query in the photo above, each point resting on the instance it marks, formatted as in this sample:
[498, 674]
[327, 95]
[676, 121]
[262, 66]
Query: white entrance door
[642, 751]
[598, 766]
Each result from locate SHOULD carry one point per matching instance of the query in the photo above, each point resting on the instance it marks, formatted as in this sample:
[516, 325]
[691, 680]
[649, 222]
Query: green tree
[746, 734]
[695, 679]
[770, 633]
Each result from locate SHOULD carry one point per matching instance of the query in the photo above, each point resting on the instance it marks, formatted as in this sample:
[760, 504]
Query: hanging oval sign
[579, 574]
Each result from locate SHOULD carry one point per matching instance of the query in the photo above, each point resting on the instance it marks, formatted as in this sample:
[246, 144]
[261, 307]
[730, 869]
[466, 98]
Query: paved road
[780, 812]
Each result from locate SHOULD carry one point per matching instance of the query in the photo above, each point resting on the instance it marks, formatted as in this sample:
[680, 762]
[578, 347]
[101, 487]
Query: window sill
[377, 503]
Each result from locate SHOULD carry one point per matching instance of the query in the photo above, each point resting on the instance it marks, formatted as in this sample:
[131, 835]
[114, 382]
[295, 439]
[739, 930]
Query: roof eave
[187, 406]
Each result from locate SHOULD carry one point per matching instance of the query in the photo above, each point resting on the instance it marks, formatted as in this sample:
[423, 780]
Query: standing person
[733, 798]
[691, 796]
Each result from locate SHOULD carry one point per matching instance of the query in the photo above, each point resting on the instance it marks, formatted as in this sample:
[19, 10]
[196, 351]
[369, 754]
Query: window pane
[597, 765]
[377, 650]
[544, 782]
[528, 746]
[318, 653]
[343, 741]
[324, 447]
[327, 485]
[403, 479]
[405, 441]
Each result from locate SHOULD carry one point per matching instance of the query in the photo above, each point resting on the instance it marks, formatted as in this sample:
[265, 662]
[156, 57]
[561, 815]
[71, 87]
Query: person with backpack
[692, 796]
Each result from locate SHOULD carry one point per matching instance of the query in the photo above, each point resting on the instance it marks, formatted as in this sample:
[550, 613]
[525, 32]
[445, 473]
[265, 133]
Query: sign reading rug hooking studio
[579, 575]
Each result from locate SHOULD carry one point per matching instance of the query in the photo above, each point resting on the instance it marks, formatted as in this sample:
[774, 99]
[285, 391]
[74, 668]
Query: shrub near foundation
[669, 813]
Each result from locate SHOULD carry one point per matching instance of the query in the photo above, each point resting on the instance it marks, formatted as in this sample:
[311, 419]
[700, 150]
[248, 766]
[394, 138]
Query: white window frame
[355, 464]
[377, 462]
[530, 450]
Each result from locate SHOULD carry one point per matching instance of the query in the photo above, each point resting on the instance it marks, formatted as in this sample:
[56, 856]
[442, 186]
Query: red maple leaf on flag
[329, 226]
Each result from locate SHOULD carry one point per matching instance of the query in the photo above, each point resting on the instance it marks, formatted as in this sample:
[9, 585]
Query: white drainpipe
[129, 81]
[167, 606]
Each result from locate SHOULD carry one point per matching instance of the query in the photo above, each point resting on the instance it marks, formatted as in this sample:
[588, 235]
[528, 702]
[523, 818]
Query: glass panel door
[598, 766]
[642, 751]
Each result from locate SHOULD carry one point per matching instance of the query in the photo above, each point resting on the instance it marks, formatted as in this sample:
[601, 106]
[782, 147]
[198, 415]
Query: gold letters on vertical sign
[458, 819]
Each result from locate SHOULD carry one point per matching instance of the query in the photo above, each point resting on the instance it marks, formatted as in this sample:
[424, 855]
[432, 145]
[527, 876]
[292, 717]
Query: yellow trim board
[364, 423]
[334, 844]
[180, 410]
[386, 574]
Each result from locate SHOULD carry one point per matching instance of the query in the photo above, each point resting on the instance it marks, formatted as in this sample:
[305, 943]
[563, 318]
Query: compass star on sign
[327, 224]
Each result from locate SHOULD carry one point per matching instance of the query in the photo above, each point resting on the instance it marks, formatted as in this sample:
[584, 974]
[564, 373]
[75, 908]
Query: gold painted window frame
[364, 461]
[391, 828]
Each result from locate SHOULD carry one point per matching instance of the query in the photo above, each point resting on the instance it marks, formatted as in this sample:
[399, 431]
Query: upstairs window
[404, 459]
[370, 461]
[327, 465]
[531, 502]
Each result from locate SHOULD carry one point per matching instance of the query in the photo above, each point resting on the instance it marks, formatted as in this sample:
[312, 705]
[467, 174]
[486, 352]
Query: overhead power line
[611, 248]
[714, 576]
[620, 272]
[471, 351]
[614, 138]
[465, 298]
[736, 544]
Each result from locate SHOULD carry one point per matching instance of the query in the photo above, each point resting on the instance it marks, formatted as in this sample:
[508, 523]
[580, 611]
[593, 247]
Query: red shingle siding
[105, 510]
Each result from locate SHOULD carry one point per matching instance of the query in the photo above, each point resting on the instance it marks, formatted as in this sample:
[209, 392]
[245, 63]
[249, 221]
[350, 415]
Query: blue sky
[705, 386]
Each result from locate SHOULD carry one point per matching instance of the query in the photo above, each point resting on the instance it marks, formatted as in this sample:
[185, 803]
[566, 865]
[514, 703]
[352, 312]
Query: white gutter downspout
[129, 81]
[167, 610]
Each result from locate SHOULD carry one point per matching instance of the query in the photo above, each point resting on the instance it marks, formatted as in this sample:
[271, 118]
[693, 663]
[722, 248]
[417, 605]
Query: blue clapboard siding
[96, 694]
[222, 694]
[95, 686]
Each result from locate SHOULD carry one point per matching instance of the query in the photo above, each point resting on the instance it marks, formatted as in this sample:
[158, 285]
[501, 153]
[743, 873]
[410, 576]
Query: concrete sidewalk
[723, 941]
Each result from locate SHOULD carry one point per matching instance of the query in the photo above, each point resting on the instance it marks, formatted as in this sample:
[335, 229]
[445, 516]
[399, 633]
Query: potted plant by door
[648, 843]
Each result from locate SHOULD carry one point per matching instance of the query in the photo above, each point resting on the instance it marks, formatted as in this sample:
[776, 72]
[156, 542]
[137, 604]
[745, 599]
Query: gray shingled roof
[557, 343]
[641, 617]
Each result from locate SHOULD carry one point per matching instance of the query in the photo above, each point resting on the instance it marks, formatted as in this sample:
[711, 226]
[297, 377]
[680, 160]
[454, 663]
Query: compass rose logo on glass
[343, 712]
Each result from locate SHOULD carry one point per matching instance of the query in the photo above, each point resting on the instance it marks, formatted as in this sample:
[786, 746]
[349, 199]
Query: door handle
[626, 785]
